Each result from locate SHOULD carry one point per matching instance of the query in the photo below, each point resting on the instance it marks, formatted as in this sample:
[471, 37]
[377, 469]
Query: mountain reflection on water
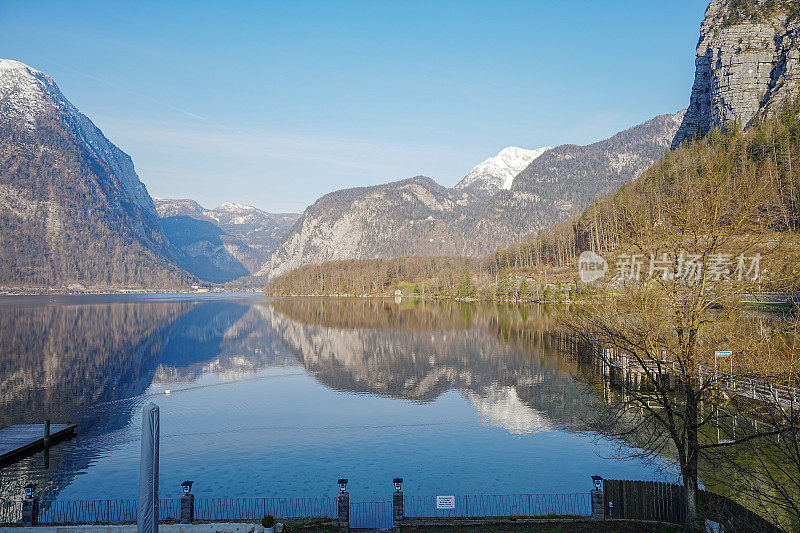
[96, 361]
[423, 349]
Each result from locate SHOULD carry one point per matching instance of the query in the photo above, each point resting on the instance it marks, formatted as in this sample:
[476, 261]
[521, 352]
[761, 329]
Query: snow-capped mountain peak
[10, 64]
[28, 90]
[28, 95]
[498, 172]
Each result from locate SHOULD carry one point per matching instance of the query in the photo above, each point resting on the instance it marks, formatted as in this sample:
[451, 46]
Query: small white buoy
[167, 391]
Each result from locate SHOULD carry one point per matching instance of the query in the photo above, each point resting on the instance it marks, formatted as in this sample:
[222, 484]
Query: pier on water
[21, 440]
[618, 367]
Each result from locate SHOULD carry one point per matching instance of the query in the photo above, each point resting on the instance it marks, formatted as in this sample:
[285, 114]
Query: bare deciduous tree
[702, 233]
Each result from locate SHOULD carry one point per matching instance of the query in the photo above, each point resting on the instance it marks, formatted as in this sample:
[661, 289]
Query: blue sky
[274, 104]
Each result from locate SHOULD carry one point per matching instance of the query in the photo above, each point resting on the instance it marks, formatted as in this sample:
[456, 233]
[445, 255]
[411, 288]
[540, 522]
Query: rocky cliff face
[412, 216]
[493, 205]
[747, 64]
[28, 95]
[72, 209]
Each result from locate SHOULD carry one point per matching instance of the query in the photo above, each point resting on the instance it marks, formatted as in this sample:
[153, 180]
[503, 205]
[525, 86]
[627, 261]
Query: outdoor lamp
[597, 481]
[342, 484]
[187, 486]
[398, 482]
[30, 488]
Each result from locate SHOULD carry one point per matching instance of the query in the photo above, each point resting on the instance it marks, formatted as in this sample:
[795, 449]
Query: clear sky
[274, 104]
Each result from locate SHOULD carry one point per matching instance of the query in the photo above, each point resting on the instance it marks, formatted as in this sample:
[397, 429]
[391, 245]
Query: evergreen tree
[467, 287]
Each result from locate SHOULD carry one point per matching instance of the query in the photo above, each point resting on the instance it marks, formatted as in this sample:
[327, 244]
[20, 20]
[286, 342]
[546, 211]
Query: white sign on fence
[445, 502]
[723, 353]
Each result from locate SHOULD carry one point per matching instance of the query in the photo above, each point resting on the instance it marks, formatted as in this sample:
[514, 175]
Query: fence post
[186, 503]
[187, 508]
[398, 513]
[30, 511]
[597, 497]
[344, 511]
[598, 505]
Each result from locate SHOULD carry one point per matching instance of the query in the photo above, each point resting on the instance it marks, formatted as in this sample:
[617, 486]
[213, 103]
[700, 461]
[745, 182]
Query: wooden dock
[20, 440]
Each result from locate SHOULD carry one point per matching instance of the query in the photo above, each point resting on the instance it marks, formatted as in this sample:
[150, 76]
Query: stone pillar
[30, 511]
[598, 505]
[344, 511]
[187, 508]
[398, 514]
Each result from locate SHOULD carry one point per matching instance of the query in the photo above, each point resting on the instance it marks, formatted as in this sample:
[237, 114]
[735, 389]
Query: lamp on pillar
[344, 506]
[30, 506]
[598, 498]
[398, 511]
[187, 503]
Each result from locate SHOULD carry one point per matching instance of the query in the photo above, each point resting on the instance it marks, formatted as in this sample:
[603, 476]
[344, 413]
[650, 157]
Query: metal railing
[362, 514]
[80, 511]
[121, 511]
[753, 388]
[577, 504]
[371, 515]
[254, 508]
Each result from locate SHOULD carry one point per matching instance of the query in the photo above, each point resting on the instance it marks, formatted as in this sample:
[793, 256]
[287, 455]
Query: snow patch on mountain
[184, 206]
[498, 172]
[237, 208]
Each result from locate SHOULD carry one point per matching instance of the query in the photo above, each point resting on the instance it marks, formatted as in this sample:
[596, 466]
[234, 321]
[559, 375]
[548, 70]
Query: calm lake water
[283, 397]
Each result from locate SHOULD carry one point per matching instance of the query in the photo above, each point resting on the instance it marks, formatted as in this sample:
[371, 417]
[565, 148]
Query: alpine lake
[268, 397]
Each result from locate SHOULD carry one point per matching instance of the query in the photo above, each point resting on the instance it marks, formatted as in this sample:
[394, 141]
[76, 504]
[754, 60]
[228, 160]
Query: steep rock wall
[747, 64]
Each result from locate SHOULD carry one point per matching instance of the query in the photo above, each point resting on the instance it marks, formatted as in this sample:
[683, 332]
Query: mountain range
[75, 214]
[502, 199]
[101, 228]
[221, 244]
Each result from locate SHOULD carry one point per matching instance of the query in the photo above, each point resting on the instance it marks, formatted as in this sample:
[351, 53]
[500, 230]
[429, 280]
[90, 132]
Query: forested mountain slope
[72, 208]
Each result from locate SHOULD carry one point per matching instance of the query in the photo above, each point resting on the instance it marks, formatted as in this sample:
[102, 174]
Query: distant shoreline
[6, 291]
[418, 297]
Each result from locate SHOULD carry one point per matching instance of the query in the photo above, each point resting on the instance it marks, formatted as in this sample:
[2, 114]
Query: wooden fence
[664, 502]
[644, 500]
